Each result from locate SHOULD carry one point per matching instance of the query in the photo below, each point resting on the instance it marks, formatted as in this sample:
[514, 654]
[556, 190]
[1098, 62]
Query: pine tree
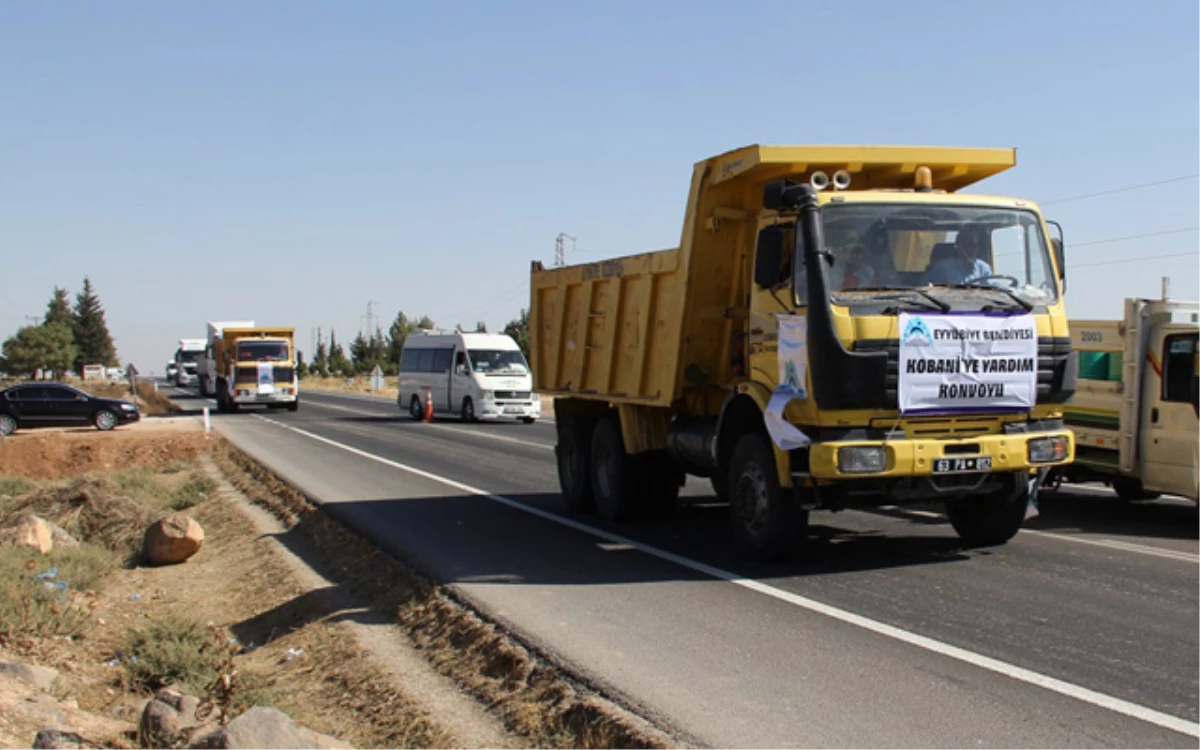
[519, 330]
[92, 339]
[37, 347]
[396, 337]
[58, 311]
[338, 364]
[320, 361]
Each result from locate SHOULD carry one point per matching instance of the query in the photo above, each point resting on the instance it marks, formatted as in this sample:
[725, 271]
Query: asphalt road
[1081, 632]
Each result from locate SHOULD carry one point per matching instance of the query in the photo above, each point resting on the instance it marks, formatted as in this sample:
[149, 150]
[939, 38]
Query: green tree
[320, 360]
[40, 347]
[425, 322]
[58, 311]
[338, 364]
[92, 339]
[519, 330]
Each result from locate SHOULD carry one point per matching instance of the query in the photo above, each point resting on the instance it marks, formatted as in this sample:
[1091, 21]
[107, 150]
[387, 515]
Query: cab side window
[1178, 367]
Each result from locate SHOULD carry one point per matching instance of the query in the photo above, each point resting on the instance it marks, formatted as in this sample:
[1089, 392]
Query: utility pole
[559, 250]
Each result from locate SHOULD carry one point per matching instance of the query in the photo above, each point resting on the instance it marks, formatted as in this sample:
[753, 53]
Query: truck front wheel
[987, 520]
[1131, 490]
[767, 520]
[573, 453]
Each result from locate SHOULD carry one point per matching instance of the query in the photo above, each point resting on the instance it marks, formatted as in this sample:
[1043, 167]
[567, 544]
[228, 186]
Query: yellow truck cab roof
[870, 167]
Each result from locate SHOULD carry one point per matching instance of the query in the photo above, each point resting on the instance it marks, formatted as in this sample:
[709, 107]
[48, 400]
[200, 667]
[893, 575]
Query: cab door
[1169, 445]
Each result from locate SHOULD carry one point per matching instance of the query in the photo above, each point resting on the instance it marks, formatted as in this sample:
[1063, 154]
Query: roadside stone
[61, 739]
[41, 678]
[270, 729]
[173, 539]
[61, 538]
[170, 719]
[29, 531]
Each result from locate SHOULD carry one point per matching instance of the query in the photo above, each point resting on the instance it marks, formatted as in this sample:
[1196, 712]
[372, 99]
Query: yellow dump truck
[255, 366]
[839, 326]
[1135, 412]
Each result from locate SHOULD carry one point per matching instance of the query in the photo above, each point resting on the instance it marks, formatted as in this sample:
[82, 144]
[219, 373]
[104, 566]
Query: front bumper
[507, 409]
[255, 396]
[915, 457]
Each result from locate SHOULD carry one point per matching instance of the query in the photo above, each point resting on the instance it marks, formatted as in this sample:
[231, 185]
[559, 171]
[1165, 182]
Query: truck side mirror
[768, 256]
[1060, 256]
[781, 194]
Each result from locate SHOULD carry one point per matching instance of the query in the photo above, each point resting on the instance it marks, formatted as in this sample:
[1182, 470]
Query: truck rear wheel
[1131, 490]
[987, 520]
[612, 472]
[766, 520]
[573, 452]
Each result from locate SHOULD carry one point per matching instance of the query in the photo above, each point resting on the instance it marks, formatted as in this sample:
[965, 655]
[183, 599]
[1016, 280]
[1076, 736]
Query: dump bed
[635, 329]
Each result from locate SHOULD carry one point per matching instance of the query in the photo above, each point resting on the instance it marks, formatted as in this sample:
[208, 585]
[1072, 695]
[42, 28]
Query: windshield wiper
[937, 303]
[1010, 293]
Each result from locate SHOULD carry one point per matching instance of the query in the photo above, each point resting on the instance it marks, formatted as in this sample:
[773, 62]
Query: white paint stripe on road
[1114, 544]
[1142, 549]
[445, 428]
[1012, 671]
[388, 400]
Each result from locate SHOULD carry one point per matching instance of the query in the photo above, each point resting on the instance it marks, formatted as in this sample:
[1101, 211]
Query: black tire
[612, 472]
[1131, 490]
[231, 405]
[767, 521]
[8, 424]
[989, 520]
[294, 405]
[105, 420]
[528, 420]
[573, 452]
[414, 409]
[467, 413]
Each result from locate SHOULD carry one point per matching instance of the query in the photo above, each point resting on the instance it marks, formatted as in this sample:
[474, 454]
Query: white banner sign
[266, 377]
[792, 353]
[967, 362]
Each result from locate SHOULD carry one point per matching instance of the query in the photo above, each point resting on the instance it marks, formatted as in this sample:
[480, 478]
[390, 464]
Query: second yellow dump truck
[255, 365]
[839, 326]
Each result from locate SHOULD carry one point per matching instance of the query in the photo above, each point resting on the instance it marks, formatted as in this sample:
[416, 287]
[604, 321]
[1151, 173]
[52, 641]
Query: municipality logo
[916, 333]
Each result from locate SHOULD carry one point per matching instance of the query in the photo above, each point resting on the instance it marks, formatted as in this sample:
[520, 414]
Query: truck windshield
[185, 357]
[498, 362]
[997, 252]
[262, 351]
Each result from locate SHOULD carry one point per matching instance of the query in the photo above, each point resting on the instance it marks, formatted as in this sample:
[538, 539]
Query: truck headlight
[1047, 450]
[862, 459]
[487, 396]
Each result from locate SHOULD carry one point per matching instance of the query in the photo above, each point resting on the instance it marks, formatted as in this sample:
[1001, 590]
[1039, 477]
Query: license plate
[964, 465]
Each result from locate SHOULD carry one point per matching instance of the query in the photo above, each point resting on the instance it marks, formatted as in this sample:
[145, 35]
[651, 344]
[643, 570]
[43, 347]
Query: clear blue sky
[288, 162]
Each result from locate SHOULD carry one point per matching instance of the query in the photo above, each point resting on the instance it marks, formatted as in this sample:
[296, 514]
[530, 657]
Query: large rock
[173, 539]
[267, 728]
[50, 738]
[170, 719]
[30, 531]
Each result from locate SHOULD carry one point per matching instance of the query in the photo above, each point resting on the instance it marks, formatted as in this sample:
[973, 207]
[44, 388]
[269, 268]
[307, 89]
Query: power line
[1073, 266]
[1135, 237]
[1121, 190]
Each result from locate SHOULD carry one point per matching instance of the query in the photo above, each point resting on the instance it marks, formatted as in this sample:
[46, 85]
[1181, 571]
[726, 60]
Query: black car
[50, 404]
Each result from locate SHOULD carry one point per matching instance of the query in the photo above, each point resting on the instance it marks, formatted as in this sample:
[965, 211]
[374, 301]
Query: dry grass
[360, 384]
[536, 700]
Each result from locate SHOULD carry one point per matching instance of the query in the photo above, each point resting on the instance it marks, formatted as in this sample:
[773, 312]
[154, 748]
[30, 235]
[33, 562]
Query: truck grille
[514, 395]
[1053, 355]
[250, 375]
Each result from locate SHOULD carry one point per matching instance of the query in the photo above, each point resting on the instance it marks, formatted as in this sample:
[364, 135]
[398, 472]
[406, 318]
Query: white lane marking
[1142, 549]
[446, 428]
[1012, 671]
[1114, 544]
[385, 400]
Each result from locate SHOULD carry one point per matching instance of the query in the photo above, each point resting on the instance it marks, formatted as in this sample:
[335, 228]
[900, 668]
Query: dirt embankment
[299, 612]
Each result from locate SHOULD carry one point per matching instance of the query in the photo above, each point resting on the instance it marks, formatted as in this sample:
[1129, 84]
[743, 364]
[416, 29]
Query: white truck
[1135, 412]
[206, 365]
[187, 358]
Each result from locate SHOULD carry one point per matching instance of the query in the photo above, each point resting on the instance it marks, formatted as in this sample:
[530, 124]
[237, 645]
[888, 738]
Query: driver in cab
[963, 265]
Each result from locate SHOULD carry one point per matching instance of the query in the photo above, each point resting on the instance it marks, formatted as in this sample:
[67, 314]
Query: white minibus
[469, 375]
